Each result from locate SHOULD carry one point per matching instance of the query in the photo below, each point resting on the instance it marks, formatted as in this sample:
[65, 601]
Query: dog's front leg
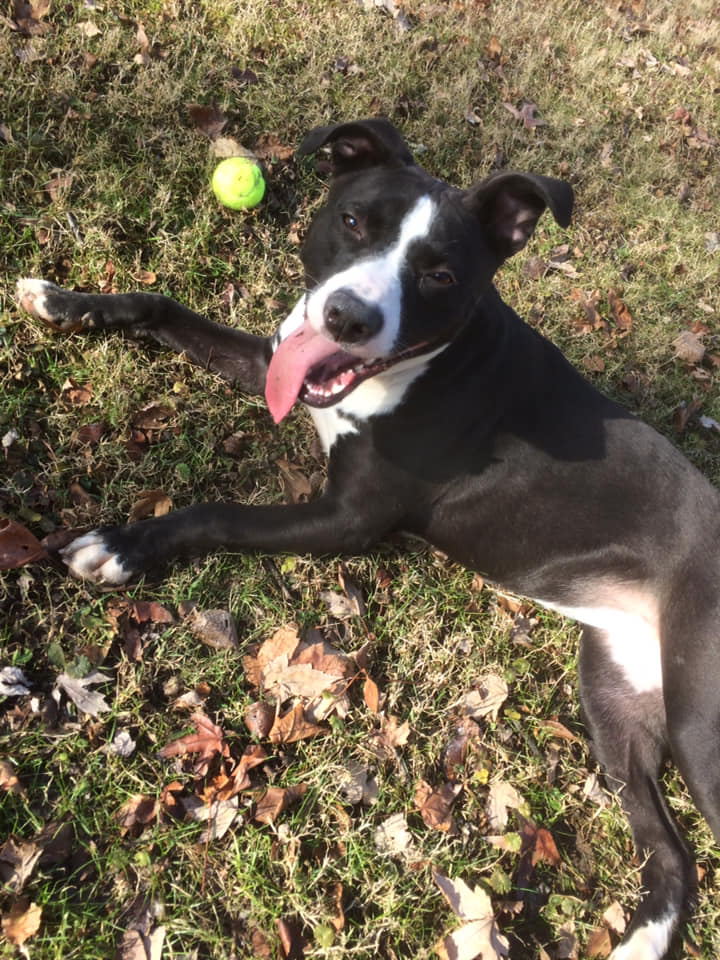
[235, 355]
[118, 555]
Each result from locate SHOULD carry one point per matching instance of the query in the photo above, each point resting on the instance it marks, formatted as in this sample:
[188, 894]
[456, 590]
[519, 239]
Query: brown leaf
[56, 840]
[17, 861]
[283, 641]
[57, 187]
[456, 750]
[22, 922]
[435, 806]
[558, 729]
[371, 695]
[215, 628]
[593, 363]
[17, 545]
[259, 718]
[599, 944]
[207, 118]
[689, 347]
[75, 394]
[150, 503]
[527, 113]
[268, 147]
[275, 800]
[293, 726]
[8, 779]
[296, 485]
[620, 313]
[684, 413]
[136, 813]
[537, 846]
[480, 936]
[292, 942]
[207, 741]
[90, 432]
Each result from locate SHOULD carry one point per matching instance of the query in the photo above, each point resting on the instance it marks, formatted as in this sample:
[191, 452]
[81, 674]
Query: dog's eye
[440, 278]
[351, 222]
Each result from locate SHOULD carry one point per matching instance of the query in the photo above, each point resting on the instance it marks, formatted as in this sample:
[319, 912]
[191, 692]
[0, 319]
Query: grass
[129, 193]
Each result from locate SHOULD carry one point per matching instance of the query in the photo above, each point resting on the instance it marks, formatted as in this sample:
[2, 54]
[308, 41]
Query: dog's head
[395, 261]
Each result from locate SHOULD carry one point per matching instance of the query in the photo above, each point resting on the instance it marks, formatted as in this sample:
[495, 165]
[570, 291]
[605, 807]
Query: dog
[444, 415]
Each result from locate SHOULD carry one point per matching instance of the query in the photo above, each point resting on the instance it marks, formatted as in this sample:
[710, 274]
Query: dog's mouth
[308, 367]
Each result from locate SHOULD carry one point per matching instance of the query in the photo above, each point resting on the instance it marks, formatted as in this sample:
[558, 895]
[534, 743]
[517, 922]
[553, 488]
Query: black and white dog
[443, 414]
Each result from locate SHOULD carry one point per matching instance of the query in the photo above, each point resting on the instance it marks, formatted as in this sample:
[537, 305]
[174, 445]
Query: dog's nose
[349, 319]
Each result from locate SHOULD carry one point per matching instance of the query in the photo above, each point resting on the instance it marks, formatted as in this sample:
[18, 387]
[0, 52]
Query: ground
[113, 118]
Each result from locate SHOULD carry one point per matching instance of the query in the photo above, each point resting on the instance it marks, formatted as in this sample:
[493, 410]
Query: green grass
[608, 81]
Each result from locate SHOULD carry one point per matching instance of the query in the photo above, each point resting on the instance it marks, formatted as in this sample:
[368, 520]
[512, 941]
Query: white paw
[31, 295]
[89, 558]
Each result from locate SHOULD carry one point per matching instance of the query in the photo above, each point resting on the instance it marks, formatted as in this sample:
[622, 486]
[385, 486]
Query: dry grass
[610, 82]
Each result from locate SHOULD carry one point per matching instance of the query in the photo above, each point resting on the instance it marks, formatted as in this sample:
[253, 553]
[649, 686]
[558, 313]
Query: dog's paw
[91, 557]
[53, 305]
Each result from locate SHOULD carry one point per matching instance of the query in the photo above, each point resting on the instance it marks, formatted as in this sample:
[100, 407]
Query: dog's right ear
[358, 145]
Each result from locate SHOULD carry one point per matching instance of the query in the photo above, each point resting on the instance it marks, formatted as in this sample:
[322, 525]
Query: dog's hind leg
[626, 720]
[237, 356]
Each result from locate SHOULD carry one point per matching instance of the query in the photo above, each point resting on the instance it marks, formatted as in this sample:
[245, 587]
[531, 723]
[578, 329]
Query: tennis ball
[238, 183]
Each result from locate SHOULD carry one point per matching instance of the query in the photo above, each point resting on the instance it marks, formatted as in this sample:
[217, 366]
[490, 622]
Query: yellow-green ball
[238, 183]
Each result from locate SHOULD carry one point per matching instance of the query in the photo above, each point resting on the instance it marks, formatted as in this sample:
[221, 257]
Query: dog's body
[444, 415]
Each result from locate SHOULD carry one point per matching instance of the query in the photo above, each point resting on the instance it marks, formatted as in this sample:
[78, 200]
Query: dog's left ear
[364, 143]
[509, 206]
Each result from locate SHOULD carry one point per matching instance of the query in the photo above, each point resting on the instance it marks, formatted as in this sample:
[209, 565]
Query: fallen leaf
[17, 545]
[527, 113]
[502, 796]
[88, 29]
[275, 800]
[8, 778]
[435, 806]
[215, 628]
[283, 641]
[136, 813]
[13, 682]
[141, 944]
[56, 840]
[599, 944]
[259, 718]
[558, 729]
[568, 947]
[78, 690]
[537, 846]
[123, 744]
[689, 347]
[150, 503]
[356, 785]
[614, 917]
[208, 740]
[620, 313]
[292, 942]
[480, 936]
[392, 837]
[207, 118]
[293, 726]
[371, 695]
[76, 395]
[296, 485]
[22, 922]
[218, 814]
[486, 699]
[17, 861]
[456, 750]
[268, 147]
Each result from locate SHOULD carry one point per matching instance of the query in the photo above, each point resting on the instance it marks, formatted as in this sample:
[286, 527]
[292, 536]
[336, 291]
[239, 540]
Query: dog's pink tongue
[289, 365]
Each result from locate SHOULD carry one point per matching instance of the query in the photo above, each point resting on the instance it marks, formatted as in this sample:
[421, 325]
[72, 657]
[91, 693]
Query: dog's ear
[364, 143]
[509, 206]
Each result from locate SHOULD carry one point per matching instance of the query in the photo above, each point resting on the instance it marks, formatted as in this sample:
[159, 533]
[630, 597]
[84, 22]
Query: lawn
[257, 844]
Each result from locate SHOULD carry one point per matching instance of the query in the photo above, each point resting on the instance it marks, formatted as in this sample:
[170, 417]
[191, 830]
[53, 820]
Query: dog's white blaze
[649, 942]
[294, 320]
[631, 639]
[378, 281]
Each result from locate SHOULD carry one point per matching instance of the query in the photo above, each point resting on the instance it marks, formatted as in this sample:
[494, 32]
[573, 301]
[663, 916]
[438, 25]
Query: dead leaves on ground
[479, 936]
